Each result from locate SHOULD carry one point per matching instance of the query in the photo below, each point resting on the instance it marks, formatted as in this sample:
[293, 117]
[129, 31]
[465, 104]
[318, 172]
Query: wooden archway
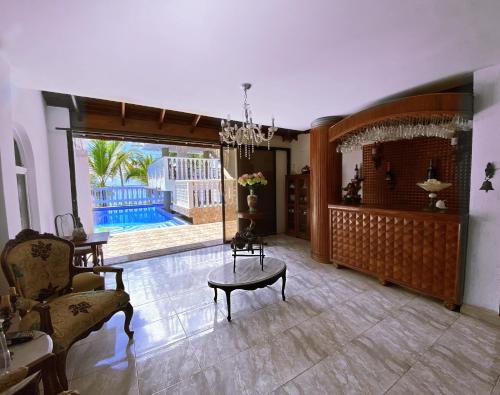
[407, 108]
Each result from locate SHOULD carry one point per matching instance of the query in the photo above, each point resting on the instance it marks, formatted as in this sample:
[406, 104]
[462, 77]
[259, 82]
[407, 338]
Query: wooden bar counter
[416, 249]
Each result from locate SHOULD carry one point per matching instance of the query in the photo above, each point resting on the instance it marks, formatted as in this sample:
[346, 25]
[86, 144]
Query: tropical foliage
[106, 159]
[137, 168]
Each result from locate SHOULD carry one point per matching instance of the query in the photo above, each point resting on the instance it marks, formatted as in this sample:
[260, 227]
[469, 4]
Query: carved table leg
[61, 369]
[95, 257]
[51, 383]
[283, 286]
[228, 299]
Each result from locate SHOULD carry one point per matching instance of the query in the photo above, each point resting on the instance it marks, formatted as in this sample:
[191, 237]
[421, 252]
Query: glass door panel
[229, 176]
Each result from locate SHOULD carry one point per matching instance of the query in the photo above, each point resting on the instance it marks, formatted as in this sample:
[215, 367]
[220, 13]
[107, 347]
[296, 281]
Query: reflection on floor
[338, 332]
[143, 244]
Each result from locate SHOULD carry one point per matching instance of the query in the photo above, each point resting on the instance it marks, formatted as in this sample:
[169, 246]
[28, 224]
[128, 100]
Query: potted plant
[252, 181]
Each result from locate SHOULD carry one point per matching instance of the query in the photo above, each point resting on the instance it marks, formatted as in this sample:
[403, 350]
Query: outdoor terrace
[159, 241]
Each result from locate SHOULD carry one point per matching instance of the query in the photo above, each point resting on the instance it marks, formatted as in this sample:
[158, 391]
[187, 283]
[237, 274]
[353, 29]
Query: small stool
[247, 245]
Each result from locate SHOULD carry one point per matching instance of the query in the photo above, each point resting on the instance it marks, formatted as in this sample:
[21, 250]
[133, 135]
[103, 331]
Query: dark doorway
[265, 162]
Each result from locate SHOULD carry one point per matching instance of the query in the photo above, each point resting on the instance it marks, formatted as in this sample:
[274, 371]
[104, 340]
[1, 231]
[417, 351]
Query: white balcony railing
[203, 193]
[163, 173]
[197, 193]
[125, 196]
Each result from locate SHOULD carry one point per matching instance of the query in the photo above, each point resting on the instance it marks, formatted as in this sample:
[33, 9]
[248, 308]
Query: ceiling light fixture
[248, 135]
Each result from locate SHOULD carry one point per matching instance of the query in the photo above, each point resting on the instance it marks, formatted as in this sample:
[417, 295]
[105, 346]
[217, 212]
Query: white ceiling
[305, 58]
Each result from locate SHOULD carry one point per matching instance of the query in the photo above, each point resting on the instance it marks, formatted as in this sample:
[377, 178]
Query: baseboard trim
[481, 313]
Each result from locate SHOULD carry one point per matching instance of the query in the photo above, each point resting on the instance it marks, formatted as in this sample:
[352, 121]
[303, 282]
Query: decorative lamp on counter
[433, 186]
[489, 173]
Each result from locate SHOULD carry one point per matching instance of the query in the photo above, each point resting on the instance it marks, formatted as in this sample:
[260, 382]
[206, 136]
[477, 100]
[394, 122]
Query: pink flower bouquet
[252, 181]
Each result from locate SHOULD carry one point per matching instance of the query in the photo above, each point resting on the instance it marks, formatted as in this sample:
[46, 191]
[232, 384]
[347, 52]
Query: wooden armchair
[41, 268]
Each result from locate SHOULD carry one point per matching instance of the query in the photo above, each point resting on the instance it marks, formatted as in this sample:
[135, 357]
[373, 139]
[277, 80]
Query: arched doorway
[26, 180]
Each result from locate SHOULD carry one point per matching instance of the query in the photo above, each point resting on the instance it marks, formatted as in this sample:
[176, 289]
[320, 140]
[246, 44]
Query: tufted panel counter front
[415, 249]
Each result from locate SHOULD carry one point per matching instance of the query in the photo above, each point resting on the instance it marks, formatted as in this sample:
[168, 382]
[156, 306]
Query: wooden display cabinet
[297, 213]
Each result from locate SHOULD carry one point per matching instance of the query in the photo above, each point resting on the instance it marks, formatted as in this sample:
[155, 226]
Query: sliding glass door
[229, 178]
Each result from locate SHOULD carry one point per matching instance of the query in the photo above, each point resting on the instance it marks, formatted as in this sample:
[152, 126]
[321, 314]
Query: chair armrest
[45, 320]
[117, 270]
[25, 305]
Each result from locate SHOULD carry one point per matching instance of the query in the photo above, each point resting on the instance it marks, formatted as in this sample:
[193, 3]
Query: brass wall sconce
[489, 173]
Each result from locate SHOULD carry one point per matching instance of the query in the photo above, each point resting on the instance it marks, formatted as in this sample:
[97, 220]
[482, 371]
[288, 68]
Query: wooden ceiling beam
[123, 113]
[113, 124]
[162, 118]
[195, 122]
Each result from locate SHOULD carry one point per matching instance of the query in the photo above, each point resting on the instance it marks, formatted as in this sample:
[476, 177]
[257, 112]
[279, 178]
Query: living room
[337, 230]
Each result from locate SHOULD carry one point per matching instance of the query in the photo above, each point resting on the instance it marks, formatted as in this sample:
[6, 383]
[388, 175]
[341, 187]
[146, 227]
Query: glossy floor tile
[338, 332]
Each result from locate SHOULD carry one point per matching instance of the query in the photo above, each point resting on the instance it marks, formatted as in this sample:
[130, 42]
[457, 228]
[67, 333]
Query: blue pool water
[125, 219]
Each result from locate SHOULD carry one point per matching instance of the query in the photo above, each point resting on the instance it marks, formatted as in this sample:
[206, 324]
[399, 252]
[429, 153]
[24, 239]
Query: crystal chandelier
[248, 135]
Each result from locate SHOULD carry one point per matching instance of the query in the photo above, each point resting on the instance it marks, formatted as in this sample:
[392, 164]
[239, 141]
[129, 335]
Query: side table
[37, 356]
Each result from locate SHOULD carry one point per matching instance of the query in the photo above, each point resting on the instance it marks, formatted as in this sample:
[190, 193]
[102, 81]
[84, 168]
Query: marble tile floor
[338, 332]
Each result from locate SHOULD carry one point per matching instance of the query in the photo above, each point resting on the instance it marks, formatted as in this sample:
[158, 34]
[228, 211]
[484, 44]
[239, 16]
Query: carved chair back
[38, 265]
[64, 224]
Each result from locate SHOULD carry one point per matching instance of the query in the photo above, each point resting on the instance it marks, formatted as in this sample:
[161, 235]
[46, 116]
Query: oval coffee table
[248, 276]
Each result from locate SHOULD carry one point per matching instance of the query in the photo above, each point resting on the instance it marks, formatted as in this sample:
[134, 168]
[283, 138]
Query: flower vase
[252, 200]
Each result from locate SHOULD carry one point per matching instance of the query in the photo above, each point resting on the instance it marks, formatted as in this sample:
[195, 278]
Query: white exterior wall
[482, 277]
[28, 116]
[59, 167]
[22, 115]
[83, 192]
[10, 221]
[58, 117]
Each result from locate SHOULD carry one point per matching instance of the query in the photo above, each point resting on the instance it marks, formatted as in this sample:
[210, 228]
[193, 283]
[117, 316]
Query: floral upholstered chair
[40, 266]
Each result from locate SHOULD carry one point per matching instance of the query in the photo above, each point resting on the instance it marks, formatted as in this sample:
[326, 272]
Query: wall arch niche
[26, 179]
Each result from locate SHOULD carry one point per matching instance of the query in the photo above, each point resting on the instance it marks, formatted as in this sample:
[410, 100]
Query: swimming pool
[126, 219]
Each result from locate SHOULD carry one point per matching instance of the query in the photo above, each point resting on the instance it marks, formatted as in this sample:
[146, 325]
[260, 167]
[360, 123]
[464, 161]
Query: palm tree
[137, 168]
[106, 158]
